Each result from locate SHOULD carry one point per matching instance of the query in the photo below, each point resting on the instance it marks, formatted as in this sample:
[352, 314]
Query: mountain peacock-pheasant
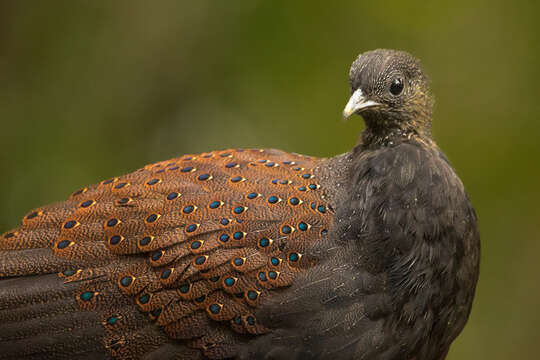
[257, 254]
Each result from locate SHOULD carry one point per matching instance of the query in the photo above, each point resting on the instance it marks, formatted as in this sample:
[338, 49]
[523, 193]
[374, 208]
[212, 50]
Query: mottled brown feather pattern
[201, 238]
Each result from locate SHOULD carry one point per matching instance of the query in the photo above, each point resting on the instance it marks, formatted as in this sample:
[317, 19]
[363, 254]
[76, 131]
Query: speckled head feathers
[390, 90]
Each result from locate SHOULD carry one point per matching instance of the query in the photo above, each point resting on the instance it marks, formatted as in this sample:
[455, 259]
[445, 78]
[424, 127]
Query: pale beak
[356, 104]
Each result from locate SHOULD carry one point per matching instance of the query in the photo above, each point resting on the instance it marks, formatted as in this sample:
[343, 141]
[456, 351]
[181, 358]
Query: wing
[174, 258]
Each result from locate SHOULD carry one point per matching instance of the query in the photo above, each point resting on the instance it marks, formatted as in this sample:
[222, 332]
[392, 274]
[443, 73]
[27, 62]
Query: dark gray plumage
[396, 277]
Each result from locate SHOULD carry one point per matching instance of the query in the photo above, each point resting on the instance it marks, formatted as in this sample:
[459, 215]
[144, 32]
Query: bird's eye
[396, 87]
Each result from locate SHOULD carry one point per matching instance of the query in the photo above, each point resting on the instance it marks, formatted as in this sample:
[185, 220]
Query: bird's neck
[388, 132]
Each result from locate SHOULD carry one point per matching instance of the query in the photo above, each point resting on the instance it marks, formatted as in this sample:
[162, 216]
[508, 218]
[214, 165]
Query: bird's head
[390, 90]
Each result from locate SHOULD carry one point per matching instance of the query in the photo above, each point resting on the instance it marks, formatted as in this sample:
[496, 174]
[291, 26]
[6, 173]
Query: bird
[258, 253]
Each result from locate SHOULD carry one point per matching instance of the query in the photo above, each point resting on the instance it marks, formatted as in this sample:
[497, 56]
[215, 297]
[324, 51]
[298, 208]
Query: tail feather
[40, 319]
[37, 290]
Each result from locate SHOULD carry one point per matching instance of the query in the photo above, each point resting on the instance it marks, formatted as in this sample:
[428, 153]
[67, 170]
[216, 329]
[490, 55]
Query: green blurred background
[93, 89]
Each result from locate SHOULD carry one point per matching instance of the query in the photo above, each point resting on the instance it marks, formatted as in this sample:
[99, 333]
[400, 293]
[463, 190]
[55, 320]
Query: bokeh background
[94, 89]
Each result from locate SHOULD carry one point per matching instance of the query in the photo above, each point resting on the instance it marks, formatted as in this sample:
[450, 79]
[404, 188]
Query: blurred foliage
[93, 89]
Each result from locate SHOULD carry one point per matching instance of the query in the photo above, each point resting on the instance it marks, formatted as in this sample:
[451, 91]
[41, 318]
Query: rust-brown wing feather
[195, 244]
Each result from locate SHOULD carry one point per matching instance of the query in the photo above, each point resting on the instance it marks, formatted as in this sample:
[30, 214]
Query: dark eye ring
[396, 87]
